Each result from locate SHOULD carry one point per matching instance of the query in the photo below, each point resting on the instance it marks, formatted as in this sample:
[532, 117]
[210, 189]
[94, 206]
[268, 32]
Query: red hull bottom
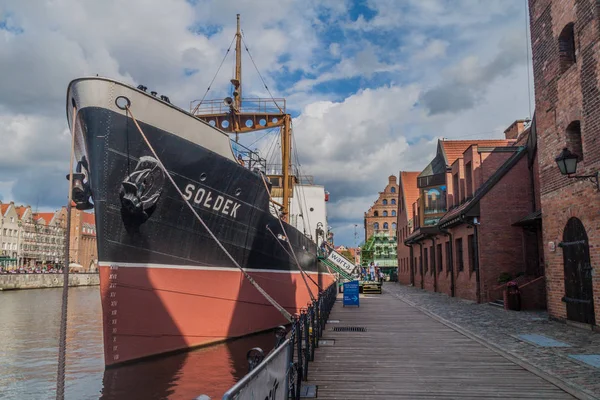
[149, 310]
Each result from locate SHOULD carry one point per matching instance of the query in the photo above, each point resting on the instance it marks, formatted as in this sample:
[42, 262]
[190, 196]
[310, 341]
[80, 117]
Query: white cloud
[351, 143]
[434, 49]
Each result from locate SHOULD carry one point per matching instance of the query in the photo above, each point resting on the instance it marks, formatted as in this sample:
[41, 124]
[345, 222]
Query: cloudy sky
[372, 84]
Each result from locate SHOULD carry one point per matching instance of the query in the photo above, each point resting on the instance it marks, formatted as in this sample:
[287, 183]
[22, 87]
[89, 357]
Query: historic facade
[565, 37]
[84, 249]
[9, 235]
[407, 210]
[42, 238]
[382, 217]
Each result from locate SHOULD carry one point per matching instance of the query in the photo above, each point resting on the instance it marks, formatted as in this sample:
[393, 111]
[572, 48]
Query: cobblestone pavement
[498, 328]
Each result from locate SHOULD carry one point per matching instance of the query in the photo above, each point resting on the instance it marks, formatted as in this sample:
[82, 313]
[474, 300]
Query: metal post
[306, 345]
[299, 362]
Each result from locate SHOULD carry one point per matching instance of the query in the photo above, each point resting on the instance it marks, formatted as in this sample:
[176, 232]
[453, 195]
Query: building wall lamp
[567, 164]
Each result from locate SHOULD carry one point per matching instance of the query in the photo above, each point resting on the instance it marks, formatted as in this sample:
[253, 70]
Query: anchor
[140, 192]
[82, 192]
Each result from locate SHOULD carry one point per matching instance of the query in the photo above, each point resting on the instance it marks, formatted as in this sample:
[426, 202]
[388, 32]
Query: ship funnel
[228, 101]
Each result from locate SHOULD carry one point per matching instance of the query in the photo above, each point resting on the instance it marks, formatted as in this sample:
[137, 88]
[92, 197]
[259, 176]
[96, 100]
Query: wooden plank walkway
[405, 354]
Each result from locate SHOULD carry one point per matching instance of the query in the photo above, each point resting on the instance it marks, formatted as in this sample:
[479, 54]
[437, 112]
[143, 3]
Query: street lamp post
[567, 164]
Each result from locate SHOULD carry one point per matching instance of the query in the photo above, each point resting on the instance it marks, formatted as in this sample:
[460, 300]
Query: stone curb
[579, 393]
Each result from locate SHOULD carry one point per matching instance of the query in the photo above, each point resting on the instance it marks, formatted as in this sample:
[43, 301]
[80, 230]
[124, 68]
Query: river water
[29, 332]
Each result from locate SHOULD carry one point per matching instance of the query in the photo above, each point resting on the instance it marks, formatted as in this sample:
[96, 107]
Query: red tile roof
[454, 149]
[410, 191]
[3, 208]
[47, 216]
[88, 218]
[21, 211]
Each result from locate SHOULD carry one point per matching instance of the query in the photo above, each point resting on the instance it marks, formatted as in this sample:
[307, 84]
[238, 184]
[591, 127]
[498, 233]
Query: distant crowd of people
[30, 270]
[372, 273]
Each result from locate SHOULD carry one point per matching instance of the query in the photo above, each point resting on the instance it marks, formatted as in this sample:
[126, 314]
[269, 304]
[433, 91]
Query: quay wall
[40, 281]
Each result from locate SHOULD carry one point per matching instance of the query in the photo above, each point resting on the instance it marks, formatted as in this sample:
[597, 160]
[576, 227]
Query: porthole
[312, 209]
[238, 191]
[212, 122]
[203, 177]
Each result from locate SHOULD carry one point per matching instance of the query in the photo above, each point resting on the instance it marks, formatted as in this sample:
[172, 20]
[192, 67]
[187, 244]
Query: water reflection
[29, 327]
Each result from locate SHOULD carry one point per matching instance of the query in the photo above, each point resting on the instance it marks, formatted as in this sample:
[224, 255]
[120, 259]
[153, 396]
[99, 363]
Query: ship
[188, 228]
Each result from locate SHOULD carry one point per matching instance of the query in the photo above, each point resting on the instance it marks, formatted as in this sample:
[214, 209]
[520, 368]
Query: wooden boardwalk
[405, 354]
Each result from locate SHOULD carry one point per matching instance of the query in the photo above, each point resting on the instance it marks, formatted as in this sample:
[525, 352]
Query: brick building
[408, 194]
[476, 203]
[565, 36]
[84, 249]
[381, 217]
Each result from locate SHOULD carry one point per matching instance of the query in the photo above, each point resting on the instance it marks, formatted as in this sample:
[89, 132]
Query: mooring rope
[282, 310]
[288, 253]
[303, 273]
[62, 343]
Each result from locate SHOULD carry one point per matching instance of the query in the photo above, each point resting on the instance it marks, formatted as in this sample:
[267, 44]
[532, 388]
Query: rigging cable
[259, 74]
[281, 309]
[62, 343]
[294, 147]
[288, 253]
[214, 77]
[302, 272]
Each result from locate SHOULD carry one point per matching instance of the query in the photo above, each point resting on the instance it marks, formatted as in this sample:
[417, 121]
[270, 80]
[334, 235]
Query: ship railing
[280, 375]
[248, 158]
[248, 106]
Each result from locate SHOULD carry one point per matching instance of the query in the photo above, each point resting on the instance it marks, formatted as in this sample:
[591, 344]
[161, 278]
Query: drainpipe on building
[476, 257]
[421, 263]
[412, 264]
[450, 262]
[433, 263]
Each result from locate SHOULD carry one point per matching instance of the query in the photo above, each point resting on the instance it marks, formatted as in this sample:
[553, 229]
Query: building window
[448, 256]
[376, 213]
[394, 225]
[566, 47]
[393, 189]
[439, 258]
[471, 249]
[459, 255]
[385, 226]
[393, 213]
[376, 226]
[469, 179]
[573, 139]
[393, 201]
[385, 214]
[384, 202]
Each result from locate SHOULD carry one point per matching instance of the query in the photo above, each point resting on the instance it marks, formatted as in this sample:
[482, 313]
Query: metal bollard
[254, 356]
[280, 333]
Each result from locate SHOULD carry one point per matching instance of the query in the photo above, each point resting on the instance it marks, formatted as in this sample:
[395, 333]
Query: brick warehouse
[565, 37]
[476, 219]
[408, 195]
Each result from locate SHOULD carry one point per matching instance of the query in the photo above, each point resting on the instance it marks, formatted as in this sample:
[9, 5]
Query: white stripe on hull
[102, 93]
[198, 267]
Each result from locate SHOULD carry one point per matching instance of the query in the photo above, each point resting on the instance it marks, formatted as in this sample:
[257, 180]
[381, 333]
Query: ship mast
[237, 115]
